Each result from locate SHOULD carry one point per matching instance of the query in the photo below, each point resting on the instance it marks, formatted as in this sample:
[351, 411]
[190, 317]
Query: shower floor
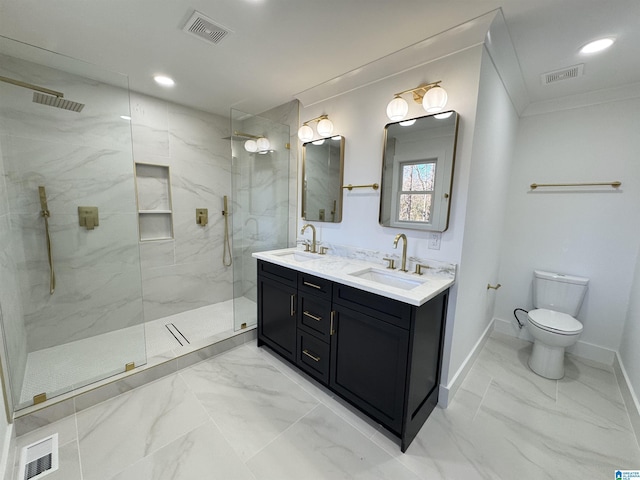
[73, 365]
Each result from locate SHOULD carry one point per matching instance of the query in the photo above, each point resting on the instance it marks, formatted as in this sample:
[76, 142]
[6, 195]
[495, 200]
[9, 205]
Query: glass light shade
[251, 146]
[435, 99]
[305, 133]
[263, 144]
[443, 116]
[325, 127]
[397, 109]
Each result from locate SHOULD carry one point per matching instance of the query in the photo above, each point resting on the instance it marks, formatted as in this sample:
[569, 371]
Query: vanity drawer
[314, 285]
[313, 356]
[385, 309]
[283, 274]
[315, 316]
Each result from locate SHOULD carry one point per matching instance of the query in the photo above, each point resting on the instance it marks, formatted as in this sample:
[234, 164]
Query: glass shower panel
[67, 214]
[260, 192]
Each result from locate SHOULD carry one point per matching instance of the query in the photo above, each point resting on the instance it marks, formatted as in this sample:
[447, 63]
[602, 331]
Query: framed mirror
[417, 172]
[322, 172]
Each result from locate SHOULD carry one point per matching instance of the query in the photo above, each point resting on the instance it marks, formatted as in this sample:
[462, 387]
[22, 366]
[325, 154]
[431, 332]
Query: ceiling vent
[564, 74]
[205, 28]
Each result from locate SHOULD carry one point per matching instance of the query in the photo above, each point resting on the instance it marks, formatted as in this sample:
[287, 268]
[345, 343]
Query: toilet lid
[556, 322]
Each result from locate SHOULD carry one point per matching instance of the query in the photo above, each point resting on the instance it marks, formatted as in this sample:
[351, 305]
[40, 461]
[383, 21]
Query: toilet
[557, 299]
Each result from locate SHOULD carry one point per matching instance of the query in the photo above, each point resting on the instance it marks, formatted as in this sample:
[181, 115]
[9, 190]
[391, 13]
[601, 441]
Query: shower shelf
[155, 215]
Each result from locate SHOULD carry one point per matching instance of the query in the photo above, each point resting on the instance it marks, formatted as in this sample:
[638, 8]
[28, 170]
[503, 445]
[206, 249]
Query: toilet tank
[559, 292]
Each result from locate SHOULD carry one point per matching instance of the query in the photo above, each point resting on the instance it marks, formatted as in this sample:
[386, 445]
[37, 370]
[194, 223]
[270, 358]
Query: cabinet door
[277, 305]
[369, 364]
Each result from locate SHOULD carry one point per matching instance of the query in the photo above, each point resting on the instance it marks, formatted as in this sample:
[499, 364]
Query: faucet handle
[419, 268]
[307, 247]
[323, 250]
[390, 263]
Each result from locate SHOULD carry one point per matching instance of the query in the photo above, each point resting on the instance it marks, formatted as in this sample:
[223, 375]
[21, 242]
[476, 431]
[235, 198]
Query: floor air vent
[564, 74]
[205, 28]
[40, 458]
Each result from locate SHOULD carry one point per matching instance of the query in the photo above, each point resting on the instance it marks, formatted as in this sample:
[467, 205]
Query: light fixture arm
[420, 91]
[317, 119]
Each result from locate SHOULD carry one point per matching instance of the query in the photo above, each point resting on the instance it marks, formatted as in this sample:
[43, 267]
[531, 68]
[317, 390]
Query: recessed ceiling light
[164, 80]
[125, 117]
[597, 45]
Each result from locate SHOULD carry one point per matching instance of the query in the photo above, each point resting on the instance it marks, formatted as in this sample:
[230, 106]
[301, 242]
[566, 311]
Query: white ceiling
[281, 47]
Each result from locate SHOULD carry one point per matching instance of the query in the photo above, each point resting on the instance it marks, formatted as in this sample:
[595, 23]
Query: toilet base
[547, 361]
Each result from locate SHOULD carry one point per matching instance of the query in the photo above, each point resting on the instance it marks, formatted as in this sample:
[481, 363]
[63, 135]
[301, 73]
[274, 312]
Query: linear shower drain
[39, 458]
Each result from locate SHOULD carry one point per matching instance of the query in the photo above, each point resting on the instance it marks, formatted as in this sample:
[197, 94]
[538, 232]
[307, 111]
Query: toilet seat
[555, 322]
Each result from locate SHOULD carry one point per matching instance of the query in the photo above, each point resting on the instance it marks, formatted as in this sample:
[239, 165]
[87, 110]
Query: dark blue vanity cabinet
[381, 355]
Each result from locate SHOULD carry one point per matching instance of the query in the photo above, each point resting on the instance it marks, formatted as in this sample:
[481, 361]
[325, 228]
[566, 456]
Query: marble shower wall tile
[12, 315]
[98, 125]
[72, 174]
[185, 272]
[177, 288]
[149, 128]
[98, 283]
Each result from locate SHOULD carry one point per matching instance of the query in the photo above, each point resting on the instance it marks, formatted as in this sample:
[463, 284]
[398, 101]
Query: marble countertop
[412, 289]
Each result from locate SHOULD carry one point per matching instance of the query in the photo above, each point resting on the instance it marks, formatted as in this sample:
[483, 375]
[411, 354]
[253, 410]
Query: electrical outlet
[434, 241]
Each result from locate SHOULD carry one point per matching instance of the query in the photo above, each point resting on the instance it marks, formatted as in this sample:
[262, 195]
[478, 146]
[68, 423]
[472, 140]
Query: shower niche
[155, 216]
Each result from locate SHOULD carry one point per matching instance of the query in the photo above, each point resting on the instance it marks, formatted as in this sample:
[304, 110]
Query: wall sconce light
[324, 128]
[432, 97]
[255, 143]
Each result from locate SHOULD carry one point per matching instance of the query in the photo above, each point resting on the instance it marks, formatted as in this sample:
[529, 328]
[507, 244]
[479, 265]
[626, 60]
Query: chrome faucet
[313, 239]
[402, 236]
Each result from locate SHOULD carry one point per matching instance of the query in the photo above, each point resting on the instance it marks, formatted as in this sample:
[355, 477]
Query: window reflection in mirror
[417, 172]
[322, 172]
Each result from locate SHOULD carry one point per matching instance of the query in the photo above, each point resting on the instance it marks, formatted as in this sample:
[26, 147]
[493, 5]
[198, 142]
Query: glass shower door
[70, 282]
[260, 192]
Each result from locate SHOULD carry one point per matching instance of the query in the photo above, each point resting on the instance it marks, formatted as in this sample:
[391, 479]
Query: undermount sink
[297, 256]
[388, 278]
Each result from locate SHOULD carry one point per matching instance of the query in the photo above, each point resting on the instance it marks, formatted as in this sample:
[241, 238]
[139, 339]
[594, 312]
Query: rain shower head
[58, 102]
[45, 96]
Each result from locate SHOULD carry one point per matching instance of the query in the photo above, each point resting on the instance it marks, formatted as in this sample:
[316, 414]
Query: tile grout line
[484, 395]
[283, 432]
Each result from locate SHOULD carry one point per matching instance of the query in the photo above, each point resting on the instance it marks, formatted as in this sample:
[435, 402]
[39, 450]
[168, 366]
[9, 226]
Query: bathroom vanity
[337, 320]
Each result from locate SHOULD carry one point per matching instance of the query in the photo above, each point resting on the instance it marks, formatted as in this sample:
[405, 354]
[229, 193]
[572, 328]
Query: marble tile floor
[246, 414]
[72, 365]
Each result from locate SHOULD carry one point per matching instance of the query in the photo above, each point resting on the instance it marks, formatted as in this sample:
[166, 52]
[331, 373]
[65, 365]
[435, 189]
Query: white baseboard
[447, 392]
[580, 349]
[6, 458]
[628, 394]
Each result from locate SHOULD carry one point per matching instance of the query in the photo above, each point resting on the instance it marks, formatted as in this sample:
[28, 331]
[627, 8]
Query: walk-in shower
[81, 302]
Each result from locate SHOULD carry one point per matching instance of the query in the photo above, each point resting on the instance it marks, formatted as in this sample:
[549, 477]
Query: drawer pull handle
[312, 285]
[293, 308]
[307, 314]
[331, 331]
[311, 356]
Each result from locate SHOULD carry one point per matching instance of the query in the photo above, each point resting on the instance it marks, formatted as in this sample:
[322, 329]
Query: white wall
[629, 351]
[587, 232]
[496, 122]
[360, 115]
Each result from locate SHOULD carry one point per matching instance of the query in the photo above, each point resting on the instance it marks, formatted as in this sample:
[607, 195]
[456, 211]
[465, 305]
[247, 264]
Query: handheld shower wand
[45, 214]
[226, 247]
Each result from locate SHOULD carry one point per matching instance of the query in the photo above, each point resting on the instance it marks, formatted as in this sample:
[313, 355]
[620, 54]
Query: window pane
[418, 177]
[415, 207]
